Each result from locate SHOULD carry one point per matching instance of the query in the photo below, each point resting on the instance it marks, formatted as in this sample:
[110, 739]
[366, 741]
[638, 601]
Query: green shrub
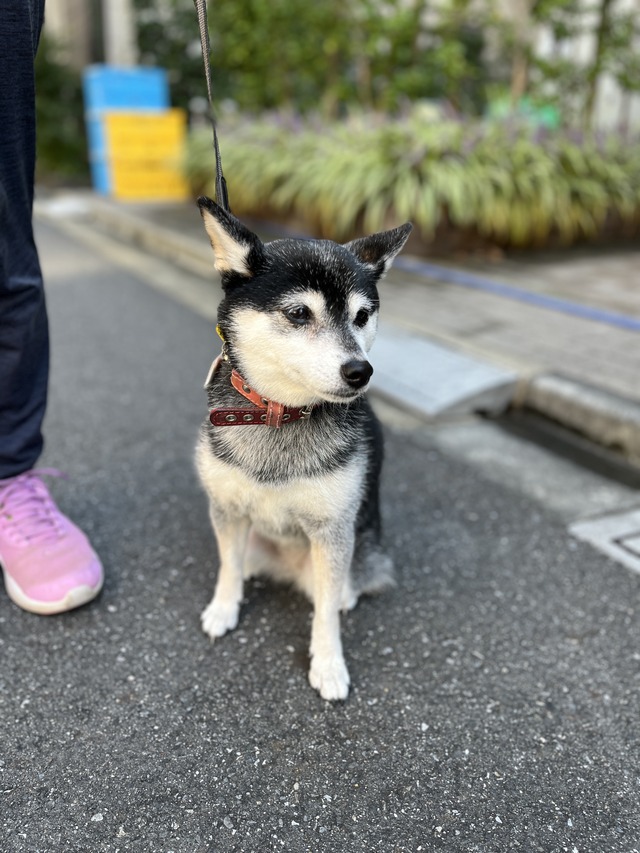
[61, 144]
[269, 53]
[511, 185]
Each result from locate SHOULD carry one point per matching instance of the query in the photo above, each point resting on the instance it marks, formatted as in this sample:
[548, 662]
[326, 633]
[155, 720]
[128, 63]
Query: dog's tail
[372, 570]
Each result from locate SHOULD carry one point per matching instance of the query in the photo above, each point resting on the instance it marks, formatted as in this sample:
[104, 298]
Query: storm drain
[618, 536]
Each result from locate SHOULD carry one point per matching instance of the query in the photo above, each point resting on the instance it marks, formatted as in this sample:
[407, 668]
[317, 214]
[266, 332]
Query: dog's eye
[362, 318]
[299, 315]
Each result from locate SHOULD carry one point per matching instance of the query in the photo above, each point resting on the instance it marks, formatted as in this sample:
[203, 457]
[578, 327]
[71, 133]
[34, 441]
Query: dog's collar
[267, 413]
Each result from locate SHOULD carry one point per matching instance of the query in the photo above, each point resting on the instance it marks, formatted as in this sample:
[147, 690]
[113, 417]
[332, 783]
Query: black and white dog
[290, 455]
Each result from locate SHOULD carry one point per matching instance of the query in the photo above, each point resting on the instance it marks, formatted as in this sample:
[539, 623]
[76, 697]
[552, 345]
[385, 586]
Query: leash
[222, 196]
[267, 412]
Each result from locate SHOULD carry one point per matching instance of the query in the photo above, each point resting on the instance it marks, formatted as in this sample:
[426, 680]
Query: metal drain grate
[618, 536]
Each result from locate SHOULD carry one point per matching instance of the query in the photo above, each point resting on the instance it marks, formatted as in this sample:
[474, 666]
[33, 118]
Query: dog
[291, 452]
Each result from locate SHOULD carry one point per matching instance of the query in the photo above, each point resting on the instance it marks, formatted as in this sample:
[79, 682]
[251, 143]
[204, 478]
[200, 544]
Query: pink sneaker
[48, 564]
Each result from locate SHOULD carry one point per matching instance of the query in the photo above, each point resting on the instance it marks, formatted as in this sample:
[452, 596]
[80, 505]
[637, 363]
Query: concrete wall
[75, 23]
[612, 106]
[69, 23]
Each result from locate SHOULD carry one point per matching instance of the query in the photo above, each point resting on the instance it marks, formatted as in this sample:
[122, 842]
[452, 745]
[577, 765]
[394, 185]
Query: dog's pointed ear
[379, 250]
[235, 248]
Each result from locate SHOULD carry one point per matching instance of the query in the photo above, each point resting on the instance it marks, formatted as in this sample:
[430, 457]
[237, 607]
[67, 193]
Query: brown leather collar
[268, 413]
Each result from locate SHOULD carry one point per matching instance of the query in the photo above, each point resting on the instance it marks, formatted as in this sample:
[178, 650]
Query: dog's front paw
[218, 618]
[330, 678]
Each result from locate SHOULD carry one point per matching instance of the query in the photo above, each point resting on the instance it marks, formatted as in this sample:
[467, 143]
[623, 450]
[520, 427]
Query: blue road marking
[540, 300]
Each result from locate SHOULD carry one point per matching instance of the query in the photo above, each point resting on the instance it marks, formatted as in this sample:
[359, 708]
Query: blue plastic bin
[107, 87]
[100, 174]
[96, 137]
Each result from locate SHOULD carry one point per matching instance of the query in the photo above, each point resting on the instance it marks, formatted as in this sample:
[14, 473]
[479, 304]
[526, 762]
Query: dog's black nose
[356, 373]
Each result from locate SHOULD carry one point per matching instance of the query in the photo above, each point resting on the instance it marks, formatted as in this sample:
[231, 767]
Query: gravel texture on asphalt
[494, 705]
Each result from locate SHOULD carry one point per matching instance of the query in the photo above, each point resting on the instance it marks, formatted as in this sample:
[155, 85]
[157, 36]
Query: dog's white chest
[287, 508]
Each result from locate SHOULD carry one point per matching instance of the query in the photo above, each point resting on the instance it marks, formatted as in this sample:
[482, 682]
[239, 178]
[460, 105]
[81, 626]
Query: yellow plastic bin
[145, 132]
[145, 152]
[135, 179]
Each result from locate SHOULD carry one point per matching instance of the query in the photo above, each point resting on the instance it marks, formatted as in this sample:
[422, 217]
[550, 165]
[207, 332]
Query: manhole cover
[618, 536]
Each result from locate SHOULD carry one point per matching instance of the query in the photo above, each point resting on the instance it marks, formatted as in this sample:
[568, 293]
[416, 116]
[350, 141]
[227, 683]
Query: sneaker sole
[74, 598]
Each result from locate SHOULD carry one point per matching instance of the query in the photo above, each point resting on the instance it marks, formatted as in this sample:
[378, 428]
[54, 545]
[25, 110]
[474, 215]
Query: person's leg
[24, 337]
[48, 564]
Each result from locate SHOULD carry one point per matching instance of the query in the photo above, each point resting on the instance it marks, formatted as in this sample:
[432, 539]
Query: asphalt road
[495, 699]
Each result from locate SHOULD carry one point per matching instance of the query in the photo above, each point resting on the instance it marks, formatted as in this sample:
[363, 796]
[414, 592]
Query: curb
[193, 255]
[600, 415]
[606, 418]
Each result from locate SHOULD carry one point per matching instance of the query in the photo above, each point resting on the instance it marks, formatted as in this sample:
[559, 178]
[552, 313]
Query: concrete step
[435, 381]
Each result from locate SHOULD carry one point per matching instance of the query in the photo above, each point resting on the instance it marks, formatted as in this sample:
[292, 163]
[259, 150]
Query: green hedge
[60, 138]
[510, 185]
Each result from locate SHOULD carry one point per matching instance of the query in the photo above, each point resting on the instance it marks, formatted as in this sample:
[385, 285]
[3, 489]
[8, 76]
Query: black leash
[222, 196]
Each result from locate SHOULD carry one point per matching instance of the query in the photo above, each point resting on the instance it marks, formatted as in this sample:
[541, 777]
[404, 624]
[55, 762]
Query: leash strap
[222, 196]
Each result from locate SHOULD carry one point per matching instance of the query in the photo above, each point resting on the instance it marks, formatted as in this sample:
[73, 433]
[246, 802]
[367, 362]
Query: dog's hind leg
[261, 555]
[221, 615]
[331, 556]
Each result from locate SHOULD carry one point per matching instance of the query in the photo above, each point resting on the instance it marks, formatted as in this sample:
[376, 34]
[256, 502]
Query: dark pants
[24, 335]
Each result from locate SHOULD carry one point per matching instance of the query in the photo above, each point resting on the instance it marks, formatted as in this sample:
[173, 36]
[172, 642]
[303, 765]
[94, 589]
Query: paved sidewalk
[525, 317]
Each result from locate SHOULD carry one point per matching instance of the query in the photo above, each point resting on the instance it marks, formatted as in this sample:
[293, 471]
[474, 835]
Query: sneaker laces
[27, 510]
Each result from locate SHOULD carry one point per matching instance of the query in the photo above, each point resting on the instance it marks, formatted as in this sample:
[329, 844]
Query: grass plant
[508, 183]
